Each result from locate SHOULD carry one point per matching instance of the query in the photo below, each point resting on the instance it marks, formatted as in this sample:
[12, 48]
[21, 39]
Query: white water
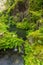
[2, 5]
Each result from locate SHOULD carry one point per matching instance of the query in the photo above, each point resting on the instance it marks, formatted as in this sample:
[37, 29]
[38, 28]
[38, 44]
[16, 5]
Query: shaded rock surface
[10, 58]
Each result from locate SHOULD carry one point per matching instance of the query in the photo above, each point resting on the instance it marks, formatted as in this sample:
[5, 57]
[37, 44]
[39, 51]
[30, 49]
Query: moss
[21, 25]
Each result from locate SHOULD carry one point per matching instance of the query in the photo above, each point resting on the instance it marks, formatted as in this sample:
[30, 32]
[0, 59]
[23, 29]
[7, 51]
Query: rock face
[11, 59]
[2, 6]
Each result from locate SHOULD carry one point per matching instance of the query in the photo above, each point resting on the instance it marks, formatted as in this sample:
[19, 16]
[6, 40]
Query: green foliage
[35, 15]
[26, 29]
[23, 25]
[37, 36]
[33, 54]
[9, 40]
[2, 27]
[36, 4]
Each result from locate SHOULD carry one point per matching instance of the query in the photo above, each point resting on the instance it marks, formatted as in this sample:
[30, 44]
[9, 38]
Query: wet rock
[11, 59]
[15, 50]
